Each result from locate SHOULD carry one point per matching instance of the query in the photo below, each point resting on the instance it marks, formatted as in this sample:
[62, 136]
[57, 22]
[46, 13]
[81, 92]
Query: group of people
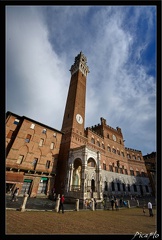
[123, 202]
[114, 204]
[88, 203]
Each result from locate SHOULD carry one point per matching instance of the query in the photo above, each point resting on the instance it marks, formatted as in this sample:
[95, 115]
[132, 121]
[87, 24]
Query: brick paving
[126, 221]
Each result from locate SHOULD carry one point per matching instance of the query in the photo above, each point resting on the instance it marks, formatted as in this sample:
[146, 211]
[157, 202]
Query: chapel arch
[91, 162]
[77, 162]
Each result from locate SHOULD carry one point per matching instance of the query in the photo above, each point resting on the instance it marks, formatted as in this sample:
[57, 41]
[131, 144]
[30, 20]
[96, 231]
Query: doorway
[93, 185]
[42, 188]
[26, 186]
[141, 189]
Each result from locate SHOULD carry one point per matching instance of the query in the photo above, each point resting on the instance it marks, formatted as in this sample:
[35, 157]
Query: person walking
[150, 209]
[15, 194]
[90, 204]
[61, 206]
[95, 203]
[121, 202]
[112, 204]
[86, 203]
[116, 204]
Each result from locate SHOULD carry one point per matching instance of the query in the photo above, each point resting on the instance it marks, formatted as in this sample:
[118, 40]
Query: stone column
[83, 177]
[98, 176]
[70, 177]
[128, 203]
[84, 174]
[22, 208]
[57, 203]
[93, 207]
[77, 205]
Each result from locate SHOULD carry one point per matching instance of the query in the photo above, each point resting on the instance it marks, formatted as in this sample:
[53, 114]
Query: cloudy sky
[120, 45]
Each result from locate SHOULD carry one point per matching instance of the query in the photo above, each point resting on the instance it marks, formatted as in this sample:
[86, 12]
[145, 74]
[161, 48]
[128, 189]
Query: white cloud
[36, 72]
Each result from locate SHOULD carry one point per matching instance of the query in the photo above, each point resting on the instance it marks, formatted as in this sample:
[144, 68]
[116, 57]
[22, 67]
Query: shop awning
[27, 180]
[44, 178]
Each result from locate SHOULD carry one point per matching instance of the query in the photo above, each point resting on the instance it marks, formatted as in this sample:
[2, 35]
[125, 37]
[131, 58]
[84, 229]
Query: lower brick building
[31, 155]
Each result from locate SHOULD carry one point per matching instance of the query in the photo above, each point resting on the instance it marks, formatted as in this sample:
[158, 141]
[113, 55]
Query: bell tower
[74, 118]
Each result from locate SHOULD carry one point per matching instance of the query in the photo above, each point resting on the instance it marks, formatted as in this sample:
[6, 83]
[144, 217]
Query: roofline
[11, 113]
[32, 120]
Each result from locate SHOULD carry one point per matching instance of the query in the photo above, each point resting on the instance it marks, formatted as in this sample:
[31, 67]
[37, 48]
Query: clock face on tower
[79, 118]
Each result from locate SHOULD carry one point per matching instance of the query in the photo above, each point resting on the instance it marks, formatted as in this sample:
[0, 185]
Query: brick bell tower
[74, 118]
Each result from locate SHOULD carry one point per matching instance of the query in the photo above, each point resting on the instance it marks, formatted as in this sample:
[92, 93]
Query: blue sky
[120, 45]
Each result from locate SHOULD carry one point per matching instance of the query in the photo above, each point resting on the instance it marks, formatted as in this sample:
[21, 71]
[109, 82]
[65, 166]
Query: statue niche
[77, 178]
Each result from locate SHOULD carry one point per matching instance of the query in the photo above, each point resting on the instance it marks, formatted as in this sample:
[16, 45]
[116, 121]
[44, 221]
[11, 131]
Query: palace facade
[77, 161]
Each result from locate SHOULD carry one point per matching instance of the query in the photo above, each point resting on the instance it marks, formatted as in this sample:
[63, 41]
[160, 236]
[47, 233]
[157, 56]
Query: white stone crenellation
[80, 64]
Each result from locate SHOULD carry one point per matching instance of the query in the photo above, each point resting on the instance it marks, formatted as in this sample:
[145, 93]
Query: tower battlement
[80, 63]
